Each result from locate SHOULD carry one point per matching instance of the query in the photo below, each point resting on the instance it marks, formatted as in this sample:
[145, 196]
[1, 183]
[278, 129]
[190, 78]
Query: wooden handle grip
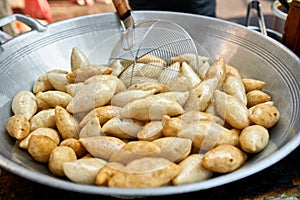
[122, 8]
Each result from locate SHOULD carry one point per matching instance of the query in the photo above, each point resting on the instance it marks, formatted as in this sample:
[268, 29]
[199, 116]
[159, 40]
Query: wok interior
[253, 54]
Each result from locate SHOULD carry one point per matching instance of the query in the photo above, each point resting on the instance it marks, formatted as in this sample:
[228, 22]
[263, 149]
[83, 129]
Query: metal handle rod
[122, 8]
[256, 5]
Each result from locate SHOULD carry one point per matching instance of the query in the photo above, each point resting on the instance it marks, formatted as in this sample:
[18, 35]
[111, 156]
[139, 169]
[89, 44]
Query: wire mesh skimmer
[145, 51]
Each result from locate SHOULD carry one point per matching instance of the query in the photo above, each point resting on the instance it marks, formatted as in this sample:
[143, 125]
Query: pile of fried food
[90, 127]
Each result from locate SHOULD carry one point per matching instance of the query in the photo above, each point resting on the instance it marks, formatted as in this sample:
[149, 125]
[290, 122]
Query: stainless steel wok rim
[113, 22]
[167, 190]
[141, 15]
[60, 33]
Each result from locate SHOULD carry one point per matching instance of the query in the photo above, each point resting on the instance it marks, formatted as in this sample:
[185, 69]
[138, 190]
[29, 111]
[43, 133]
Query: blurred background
[49, 11]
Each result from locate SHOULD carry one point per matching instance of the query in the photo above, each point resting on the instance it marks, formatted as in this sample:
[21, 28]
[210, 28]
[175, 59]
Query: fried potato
[224, 159]
[134, 150]
[253, 84]
[235, 87]
[103, 113]
[92, 128]
[49, 132]
[191, 59]
[83, 171]
[192, 170]
[254, 139]
[211, 109]
[124, 97]
[180, 97]
[151, 108]
[150, 70]
[43, 119]
[66, 123]
[58, 79]
[192, 102]
[78, 59]
[102, 146]
[83, 73]
[204, 92]
[203, 69]
[77, 147]
[268, 103]
[117, 67]
[189, 73]
[41, 105]
[174, 149]
[107, 172]
[150, 131]
[208, 134]
[121, 128]
[171, 126]
[24, 103]
[100, 78]
[217, 70]
[92, 95]
[129, 79]
[148, 58]
[73, 88]
[255, 97]
[18, 126]
[40, 147]
[158, 87]
[264, 114]
[42, 84]
[179, 84]
[145, 173]
[233, 71]
[194, 116]
[58, 157]
[232, 110]
[169, 73]
[55, 98]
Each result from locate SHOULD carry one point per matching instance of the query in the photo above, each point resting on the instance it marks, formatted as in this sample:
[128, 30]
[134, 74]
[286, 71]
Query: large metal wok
[24, 58]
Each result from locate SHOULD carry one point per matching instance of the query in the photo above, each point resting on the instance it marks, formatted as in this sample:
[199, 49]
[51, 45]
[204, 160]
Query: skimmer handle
[122, 8]
[124, 12]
